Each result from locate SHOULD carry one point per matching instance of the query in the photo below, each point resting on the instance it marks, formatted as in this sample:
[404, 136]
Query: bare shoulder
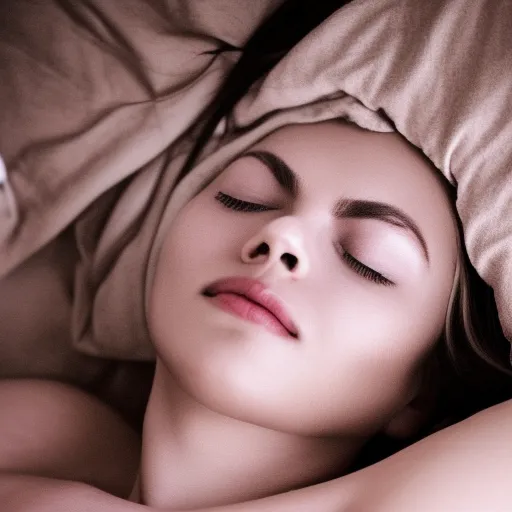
[55, 430]
[464, 467]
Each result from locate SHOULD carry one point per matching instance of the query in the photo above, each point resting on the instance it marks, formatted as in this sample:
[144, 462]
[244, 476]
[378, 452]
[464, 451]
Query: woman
[405, 399]
[294, 402]
[360, 274]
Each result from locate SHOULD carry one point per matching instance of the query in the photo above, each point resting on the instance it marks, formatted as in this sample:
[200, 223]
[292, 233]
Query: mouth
[253, 301]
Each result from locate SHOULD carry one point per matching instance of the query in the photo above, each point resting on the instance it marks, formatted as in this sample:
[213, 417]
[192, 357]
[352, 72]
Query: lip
[257, 293]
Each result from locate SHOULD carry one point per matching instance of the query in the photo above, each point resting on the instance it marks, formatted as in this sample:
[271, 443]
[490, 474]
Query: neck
[195, 457]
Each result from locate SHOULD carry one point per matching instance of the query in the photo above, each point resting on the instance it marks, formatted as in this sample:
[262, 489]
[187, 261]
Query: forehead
[339, 159]
[378, 162]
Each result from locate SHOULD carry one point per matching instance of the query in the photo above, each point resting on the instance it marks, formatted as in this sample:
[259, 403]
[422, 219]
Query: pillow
[87, 104]
[86, 107]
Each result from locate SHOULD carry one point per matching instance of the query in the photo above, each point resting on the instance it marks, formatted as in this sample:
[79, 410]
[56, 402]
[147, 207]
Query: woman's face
[354, 237]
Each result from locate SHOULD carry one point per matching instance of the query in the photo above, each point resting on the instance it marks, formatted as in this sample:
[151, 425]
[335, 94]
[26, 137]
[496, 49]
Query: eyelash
[364, 271]
[247, 207]
[241, 206]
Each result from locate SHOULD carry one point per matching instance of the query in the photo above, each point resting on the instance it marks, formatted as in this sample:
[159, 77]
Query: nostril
[263, 248]
[289, 260]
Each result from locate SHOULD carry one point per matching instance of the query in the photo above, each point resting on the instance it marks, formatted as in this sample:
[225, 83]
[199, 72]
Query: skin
[232, 399]
[56, 431]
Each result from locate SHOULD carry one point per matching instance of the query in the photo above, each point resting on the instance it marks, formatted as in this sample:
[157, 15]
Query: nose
[279, 243]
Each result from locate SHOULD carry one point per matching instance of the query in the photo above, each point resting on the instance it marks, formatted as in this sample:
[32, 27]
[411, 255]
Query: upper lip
[257, 292]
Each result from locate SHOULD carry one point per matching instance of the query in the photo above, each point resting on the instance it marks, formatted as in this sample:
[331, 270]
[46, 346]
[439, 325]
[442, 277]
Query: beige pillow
[91, 95]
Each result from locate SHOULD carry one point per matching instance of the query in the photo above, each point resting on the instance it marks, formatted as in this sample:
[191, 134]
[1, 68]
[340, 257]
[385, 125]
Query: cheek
[196, 250]
[195, 237]
[375, 335]
[178, 272]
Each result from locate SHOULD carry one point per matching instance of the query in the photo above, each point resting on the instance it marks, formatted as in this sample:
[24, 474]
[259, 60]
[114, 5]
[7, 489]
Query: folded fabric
[92, 93]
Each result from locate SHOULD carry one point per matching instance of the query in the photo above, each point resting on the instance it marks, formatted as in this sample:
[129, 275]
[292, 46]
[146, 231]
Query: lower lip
[248, 310]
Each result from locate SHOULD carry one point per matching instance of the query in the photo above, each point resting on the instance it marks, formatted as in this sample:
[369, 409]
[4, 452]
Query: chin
[227, 395]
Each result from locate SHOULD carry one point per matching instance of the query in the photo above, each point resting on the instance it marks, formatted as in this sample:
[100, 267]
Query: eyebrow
[344, 208]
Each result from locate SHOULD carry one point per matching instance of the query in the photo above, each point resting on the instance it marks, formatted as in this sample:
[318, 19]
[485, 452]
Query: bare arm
[52, 430]
[463, 468]
[38, 494]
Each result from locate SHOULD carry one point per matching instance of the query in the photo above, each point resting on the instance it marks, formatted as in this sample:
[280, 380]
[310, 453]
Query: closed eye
[239, 205]
[363, 270]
